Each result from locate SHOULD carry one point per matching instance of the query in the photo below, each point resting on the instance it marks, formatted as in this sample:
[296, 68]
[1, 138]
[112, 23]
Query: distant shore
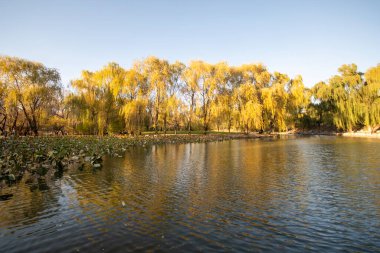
[211, 136]
[360, 134]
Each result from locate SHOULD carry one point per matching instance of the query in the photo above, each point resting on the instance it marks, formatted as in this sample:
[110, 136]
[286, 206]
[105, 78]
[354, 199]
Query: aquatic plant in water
[40, 158]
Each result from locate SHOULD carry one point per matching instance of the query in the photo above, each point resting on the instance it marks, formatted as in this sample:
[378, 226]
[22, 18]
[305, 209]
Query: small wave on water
[311, 194]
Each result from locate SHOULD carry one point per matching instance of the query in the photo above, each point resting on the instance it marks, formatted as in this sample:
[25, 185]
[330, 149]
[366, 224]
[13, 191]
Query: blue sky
[312, 38]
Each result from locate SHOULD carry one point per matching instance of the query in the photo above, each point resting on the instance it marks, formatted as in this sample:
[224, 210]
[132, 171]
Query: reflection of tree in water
[190, 193]
[28, 203]
[147, 188]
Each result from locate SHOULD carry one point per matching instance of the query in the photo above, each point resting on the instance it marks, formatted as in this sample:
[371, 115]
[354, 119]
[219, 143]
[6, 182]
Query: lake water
[294, 194]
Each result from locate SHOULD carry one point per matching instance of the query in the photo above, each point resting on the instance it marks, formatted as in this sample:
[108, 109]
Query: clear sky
[312, 38]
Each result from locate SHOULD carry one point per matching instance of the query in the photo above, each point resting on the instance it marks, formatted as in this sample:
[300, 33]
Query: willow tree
[206, 87]
[31, 88]
[256, 74]
[99, 99]
[281, 98]
[175, 112]
[171, 105]
[3, 111]
[370, 98]
[157, 73]
[220, 108]
[135, 91]
[298, 100]
[219, 111]
[275, 99]
[172, 108]
[225, 101]
[74, 106]
[156, 94]
[175, 82]
[260, 78]
[344, 88]
[86, 101]
[190, 90]
[249, 107]
[109, 81]
[210, 77]
[322, 104]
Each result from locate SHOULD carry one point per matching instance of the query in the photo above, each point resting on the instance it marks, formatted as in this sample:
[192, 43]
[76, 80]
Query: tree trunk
[229, 125]
[191, 111]
[375, 128]
[4, 121]
[33, 127]
[165, 124]
[156, 121]
[13, 127]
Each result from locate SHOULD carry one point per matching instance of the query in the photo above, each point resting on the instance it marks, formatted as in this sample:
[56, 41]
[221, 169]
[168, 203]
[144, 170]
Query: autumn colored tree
[298, 101]
[3, 112]
[155, 94]
[322, 106]
[344, 93]
[157, 72]
[31, 89]
[370, 99]
[191, 77]
[249, 108]
[136, 94]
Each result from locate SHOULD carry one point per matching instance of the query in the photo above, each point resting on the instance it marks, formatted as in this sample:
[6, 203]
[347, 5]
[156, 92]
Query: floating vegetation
[44, 157]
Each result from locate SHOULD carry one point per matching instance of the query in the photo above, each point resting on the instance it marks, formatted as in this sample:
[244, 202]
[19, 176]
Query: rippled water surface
[300, 194]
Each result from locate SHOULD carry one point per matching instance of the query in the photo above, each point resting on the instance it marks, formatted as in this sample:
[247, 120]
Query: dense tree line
[156, 95]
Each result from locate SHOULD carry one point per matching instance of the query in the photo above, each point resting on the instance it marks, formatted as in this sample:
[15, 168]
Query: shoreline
[345, 134]
[361, 135]
[181, 138]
